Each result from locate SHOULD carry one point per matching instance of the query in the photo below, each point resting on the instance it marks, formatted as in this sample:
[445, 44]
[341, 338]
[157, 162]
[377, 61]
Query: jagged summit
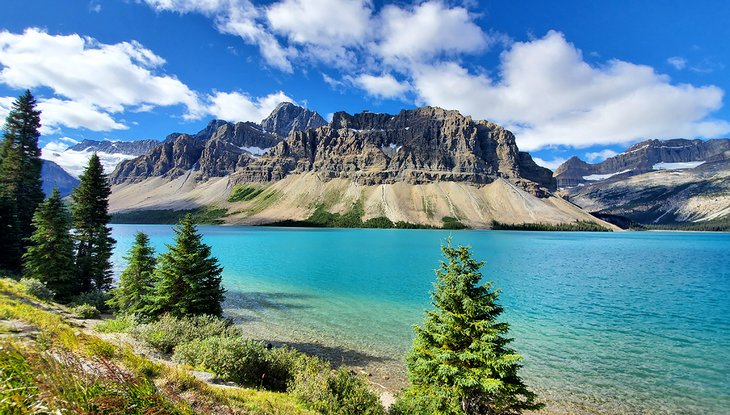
[287, 118]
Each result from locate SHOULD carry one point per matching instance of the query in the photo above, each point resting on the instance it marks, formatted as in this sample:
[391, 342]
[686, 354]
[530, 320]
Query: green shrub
[168, 332]
[232, 358]
[85, 311]
[120, 324]
[330, 393]
[452, 223]
[37, 289]
[97, 299]
[414, 402]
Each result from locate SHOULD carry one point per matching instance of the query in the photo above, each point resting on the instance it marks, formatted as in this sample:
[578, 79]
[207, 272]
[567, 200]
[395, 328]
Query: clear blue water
[607, 322]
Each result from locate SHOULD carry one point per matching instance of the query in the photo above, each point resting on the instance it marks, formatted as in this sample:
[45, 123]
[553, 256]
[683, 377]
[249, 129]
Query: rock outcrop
[642, 157]
[415, 146]
[288, 118]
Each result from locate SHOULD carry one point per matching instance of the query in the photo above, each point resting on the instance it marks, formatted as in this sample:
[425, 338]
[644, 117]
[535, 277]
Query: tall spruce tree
[20, 179]
[94, 243]
[461, 361]
[132, 296]
[188, 279]
[50, 257]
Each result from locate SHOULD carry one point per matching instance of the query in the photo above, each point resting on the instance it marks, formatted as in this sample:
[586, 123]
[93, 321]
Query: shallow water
[607, 322]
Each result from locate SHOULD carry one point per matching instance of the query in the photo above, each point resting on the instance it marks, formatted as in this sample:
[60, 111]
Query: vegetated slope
[417, 166]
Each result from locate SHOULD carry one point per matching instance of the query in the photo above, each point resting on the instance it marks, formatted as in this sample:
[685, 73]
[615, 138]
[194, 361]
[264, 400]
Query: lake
[630, 322]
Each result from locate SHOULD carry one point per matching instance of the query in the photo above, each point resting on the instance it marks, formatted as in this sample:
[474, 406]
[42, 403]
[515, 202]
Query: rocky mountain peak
[287, 118]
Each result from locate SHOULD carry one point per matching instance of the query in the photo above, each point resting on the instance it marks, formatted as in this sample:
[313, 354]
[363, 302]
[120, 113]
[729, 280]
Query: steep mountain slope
[53, 175]
[642, 158]
[74, 159]
[417, 166]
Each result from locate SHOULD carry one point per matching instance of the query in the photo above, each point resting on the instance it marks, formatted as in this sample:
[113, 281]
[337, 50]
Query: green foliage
[461, 360]
[330, 393]
[713, 225]
[232, 358]
[187, 278]
[204, 215]
[578, 225]
[132, 296]
[94, 243]
[452, 223]
[85, 311]
[20, 179]
[244, 192]
[95, 298]
[321, 218]
[169, 331]
[120, 324]
[50, 257]
[37, 288]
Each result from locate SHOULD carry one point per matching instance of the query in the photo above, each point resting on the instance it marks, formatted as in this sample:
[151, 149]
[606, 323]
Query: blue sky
[568, 78]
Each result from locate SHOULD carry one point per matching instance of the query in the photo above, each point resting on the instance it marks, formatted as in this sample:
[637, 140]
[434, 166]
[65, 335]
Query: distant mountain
[654, 182]
[54, 176]
[75, 158]
[132, 148]
[288, 118]
[424, 166]
[642, 158]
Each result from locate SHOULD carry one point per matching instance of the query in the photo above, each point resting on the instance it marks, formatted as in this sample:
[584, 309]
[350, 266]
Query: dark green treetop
[50, 257]
[188, 278]
[136, 283]
[461, 361]
[94, 243]
[20, 178]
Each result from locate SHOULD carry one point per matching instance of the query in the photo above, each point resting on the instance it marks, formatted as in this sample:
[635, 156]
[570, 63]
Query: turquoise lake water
[607, 322]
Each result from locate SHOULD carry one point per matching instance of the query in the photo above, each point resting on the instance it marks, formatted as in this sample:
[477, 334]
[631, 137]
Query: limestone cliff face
[415, 146]
[288, 118]
[641, 158]
[418, 146]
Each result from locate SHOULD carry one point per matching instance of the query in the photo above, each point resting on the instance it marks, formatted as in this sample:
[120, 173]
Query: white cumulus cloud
[384, 86]
[237, 106]
[56, 113]
[548, 95]
[678, 62]
[427, 29]
[110, 77]
[598, 156]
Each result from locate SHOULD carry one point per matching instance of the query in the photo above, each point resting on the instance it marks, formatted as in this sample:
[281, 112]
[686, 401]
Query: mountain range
[421, 166]
[654, 182]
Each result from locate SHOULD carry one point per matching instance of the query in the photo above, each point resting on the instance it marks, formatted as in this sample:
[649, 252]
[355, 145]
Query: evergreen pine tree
[20, 178]
[460, 360]
[188, 279]
[94, 243]
[135, 283]
[50, 257]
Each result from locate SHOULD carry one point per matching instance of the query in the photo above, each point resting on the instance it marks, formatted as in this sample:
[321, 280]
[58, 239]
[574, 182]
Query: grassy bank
[53, 362]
